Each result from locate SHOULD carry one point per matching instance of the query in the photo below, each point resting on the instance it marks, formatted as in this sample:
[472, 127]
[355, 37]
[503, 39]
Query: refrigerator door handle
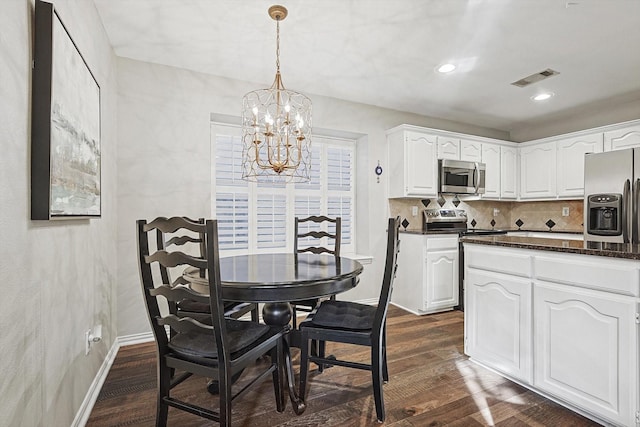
[626, 204]
[634, 212]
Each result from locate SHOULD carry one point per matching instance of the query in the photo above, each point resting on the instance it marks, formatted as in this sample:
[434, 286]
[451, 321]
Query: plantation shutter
[232, 194]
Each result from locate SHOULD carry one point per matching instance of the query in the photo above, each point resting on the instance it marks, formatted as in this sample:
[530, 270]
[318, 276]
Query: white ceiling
[384, 53]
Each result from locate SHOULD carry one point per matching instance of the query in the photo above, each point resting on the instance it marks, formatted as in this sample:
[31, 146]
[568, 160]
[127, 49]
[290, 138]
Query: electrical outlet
[496, 211]
[414, 210]
[565, 211]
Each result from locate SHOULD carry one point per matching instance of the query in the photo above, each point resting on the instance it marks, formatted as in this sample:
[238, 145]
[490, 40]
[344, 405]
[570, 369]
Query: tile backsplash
[507, 215]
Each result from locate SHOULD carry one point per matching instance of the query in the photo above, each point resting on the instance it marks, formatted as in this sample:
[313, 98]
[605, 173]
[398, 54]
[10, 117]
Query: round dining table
[277, 279]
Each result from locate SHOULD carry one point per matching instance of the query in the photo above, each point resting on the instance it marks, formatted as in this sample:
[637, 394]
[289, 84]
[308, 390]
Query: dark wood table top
[281, 277]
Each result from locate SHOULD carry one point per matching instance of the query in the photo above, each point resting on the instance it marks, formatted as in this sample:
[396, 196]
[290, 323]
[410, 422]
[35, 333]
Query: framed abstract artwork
[65, 127]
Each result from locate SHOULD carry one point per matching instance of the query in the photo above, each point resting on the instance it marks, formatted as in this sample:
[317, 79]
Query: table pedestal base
[279, 314]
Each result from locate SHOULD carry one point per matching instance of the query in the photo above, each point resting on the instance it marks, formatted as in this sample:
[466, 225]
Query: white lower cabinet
[442, 280]
[585, 350]
[498, 322]
[564, 324]
[427, 275]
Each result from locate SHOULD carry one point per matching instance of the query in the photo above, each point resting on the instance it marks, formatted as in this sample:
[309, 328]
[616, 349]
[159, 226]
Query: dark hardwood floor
[432, 383]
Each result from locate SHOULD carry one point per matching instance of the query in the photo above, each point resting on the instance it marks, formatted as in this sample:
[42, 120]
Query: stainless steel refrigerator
[611, 196]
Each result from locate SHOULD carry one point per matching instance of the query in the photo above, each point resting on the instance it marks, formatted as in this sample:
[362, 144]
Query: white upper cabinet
[470, 151]
[459, 149]
[448, 148]
[413, 167]
[538, 171]
[570, 163]
[620, 139]
[491, 158]
[508, 172]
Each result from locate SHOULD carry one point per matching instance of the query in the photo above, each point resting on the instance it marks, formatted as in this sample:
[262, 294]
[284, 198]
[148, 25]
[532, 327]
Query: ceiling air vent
[535, 77]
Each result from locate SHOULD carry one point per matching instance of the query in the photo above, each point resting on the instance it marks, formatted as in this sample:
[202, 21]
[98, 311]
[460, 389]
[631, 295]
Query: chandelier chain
[278, 45]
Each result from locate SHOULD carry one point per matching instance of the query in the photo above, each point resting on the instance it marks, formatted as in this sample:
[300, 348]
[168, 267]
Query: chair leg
[278, 375]
[385, 371]
[294, 318]
[164, 384]
[376, 373]
[321, 352]
[224, 385]
[304, 364]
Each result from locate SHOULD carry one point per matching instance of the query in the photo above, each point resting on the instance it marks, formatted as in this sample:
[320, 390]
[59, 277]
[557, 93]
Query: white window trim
[289, 191]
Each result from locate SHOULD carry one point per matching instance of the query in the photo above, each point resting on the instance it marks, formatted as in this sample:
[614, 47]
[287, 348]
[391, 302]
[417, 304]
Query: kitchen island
[558, 316]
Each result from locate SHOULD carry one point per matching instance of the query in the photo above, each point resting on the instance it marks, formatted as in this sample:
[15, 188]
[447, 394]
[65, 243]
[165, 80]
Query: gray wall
[58, 278]
[617, 109]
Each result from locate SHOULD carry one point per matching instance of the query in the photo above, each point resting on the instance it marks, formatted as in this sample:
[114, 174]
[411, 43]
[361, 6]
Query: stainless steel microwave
[461, 177]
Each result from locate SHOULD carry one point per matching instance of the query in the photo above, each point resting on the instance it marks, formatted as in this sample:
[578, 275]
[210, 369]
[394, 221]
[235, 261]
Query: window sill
[363, 259]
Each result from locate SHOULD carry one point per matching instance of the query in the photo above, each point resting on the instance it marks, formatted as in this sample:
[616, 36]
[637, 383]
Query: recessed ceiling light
[446, 68]
[542, 96]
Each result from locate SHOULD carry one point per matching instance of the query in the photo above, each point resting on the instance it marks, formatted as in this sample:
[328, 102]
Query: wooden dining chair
[193, 308]
[219, 348]
[353, 323]
[310, 240]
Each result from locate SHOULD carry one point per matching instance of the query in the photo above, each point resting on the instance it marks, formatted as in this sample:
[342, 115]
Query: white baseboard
[135, 339]
[82, 416]
[406, 309]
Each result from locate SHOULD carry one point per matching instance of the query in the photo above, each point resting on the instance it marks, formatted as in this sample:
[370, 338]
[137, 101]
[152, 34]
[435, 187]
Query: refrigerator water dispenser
[604, 214]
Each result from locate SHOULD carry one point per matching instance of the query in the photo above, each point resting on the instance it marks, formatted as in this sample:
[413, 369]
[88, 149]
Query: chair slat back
[390, 267]
[170, 255]
[318, 234]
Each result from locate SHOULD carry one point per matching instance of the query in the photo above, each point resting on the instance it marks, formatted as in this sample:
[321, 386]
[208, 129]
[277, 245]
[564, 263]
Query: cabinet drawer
[438, 242]
[500, 260]
[619, 276]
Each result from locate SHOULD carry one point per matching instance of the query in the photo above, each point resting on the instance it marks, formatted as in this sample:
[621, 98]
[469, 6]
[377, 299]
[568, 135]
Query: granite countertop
[498, 230]
[613, 250]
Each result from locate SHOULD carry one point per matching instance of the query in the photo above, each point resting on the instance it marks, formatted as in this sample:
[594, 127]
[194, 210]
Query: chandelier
[276, 127]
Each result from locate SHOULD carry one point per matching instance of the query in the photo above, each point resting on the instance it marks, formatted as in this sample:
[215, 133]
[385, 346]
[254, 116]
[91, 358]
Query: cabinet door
[448, 148]
[538, 171]
[470, 151]
[491, 158]
[497, 320]
[585, 346]
[421, 165]
[441, 290]
[570, 167]
[622, 138]
[508, 172]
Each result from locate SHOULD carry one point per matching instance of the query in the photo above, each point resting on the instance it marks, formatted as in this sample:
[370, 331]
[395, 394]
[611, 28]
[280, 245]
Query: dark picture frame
[65, 127]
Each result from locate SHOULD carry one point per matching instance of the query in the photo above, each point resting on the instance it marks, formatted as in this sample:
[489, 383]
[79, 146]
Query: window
[259, 217]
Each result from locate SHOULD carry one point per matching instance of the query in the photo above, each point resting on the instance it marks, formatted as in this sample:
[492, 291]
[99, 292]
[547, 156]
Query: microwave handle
[476, 176]
[635, 189]
[626, 205]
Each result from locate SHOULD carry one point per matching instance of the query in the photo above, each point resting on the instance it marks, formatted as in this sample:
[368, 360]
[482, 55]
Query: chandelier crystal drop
[276, 127]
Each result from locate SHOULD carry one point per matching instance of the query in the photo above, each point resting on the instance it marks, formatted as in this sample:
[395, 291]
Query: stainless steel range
[452, 221]
[439, 221]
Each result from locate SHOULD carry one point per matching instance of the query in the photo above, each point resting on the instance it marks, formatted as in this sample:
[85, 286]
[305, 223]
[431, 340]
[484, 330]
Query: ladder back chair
[313, 236]
[219, 348]
[190, 307]
[353, 323]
